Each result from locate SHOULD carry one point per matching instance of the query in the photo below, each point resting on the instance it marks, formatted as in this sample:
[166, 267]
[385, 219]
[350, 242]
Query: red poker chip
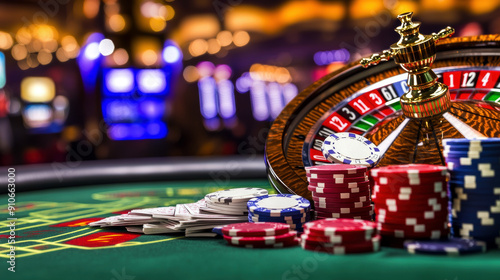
[364, 216]
[351, 198]
[371, 246]
[340, 195]
[424, 184]
[337, 239]
[409, 220]
[349, 169]
[418, 229]
[410, 170]
[338, 180]
[340, 226]
[292, 243]
[436, 234]
[411, 197]
[325, 206]
[333, 190]
[429, 225]
[328, 190]
[260, 240]
[413, 203]
[424, 214]
[330, 185]
[255, 229]
[401, 182]
[345, 210]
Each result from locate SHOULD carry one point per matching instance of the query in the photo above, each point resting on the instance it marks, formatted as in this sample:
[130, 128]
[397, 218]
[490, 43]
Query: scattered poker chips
[341, 236]
[411, 202]
[340, 191]
[260, 235]
[231, 201]
[292, 210]
[474, 166]
[350, 148]
[451, 247]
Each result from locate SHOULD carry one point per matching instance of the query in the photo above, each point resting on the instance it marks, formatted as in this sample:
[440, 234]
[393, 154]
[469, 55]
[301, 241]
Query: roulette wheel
[406, 111]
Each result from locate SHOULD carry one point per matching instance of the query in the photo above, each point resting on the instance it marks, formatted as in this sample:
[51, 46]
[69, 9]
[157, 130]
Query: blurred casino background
[109, 79]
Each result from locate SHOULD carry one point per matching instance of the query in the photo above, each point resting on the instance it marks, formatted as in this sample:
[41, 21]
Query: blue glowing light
[171, 54]
[227, 106]
[208, 97]
[91, 51]
[137, 131]
[2, 70]
[151, 81]
[327, 57]
[259, 103]
[119, 81]
[152, 109]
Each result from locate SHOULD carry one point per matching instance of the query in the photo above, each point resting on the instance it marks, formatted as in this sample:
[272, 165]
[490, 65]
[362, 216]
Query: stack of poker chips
[350, 148]
[474, 167]
[292, 210]
[451, 247]
[260, 235]
[231, 201]
[411, 202]
[341, 236]
[340, 191]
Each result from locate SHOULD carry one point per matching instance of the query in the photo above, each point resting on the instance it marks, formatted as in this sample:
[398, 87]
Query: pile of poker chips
[451, 247]
[260, 235]
[411, 202]
[350, 148]
[341, 236]
[292, 210]
[231, 201]
[474, 166]
[340, 191]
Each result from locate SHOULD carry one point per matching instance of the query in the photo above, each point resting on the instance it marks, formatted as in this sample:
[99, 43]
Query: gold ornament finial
[415, 53]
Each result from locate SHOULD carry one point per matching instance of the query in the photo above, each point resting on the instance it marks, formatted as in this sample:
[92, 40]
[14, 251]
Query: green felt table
[53, 241]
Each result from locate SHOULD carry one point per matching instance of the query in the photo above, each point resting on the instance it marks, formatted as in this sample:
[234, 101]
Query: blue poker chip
[350, 148]
[451, 247]
[471, 163]
[279, 219]
[217, 230]
[278, 205]
[293, 218]
[470, 142]
[468, 148]
[485, 190]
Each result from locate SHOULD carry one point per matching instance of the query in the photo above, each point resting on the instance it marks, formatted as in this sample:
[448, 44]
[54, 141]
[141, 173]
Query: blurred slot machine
[132, 98]
[43, 111]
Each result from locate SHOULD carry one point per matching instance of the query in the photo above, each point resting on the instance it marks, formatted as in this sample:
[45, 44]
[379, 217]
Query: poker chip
[260, 240]
[337, 169]
[338, 190]
[340, 236]
[255, 229]
[339, 226]
[277, 205]
[217, 230]
[350, 148]
[411, 201]
[292, 210]
[341, 197]
[343, 180]
[236, 195]
[409, 171]
[474, 166]
[451, 247]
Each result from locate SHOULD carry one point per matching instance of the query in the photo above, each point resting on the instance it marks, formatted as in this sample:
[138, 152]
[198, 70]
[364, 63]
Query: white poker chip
[235, 195]
[350, 148]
